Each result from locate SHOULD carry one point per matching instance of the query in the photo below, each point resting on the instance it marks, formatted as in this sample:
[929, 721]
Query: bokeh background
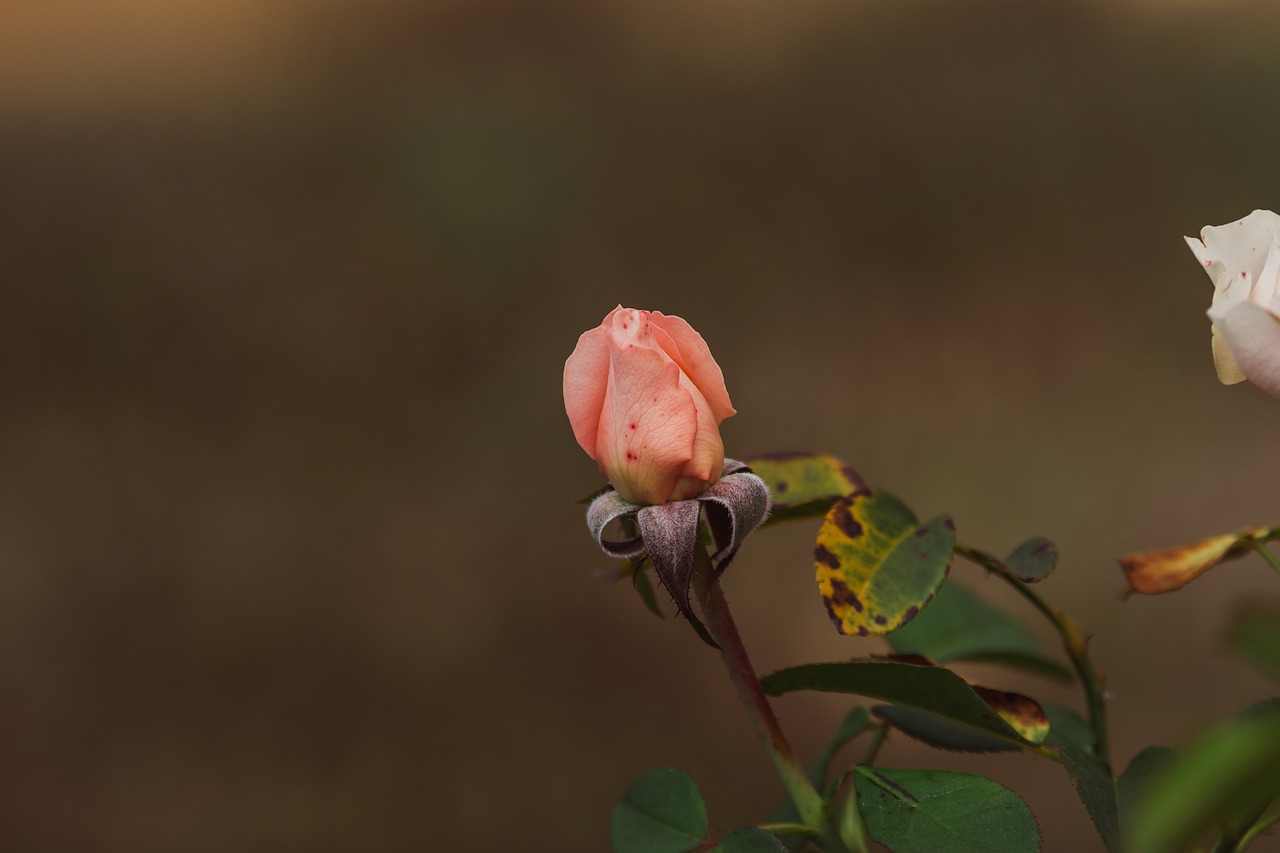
[289, 554]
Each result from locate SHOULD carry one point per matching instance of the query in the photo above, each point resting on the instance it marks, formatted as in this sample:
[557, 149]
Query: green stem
[1259, 827]
[797, 829]
[877, 741]
[733, 653]
[1262, 549]
[1074, 643]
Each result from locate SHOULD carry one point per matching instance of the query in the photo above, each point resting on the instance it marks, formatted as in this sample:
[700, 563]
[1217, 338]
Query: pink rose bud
[645, 399]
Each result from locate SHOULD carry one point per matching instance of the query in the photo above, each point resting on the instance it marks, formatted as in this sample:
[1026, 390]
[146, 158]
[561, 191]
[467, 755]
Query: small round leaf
[661, 813]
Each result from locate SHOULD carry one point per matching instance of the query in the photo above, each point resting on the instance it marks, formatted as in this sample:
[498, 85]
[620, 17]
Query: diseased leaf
[1022, 713]
[875, 567]
[661, 813]
[1232, 772]
[1255, 637]
[939, 732]
[925, 688]
[928, 811]
[958, 625]
[1033, 560]
[1097, 790]
[749, 840]
[1154, 572]
[804, 485]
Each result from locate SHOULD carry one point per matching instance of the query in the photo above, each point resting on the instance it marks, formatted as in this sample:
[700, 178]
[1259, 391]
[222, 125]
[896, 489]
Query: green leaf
[750, 840]
[938, 732]
[854, 723]
[1232, 772]
[644, 588]
[1255, 637]
[1097, 790]
[928, 811]
[661, 813]
[958, 625]
[1134, 783]
[1067, 728]
[876, 568]
[1261, 709]
[803, 485]
[1009, 716]
[1033, 560]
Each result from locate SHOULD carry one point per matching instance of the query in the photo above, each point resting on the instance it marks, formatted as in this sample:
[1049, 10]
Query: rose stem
[1266, 554]
[1073, 641]
[808, 801]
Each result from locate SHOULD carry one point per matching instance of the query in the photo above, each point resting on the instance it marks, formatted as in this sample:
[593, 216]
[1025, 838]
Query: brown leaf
[1154, 572]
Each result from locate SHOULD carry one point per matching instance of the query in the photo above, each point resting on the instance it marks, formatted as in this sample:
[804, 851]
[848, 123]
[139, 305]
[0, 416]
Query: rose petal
[1252, 334]
[707, 461]
[1229, 373]
[648, 423]
[1240, 246]
[1264, 288]
[586, 379]
[695, 359]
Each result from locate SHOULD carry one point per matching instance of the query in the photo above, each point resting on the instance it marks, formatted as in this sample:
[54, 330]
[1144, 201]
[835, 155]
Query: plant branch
[1074, 642]
[733, 653]
[1261, 548]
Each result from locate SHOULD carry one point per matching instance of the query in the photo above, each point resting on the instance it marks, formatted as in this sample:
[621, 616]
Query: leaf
[1033, 560]
[661, 813]
[1233, 771]
[1255, 637]
[804, 485]
[938, 691]
[854, 723]
[1097, 790]
[1067, 728]
[958, 625]
[928, 811]
[749, 840]
[644, 588]
[940, 733]
[1154, 572]
[876, 568]
[1135, 782]
[1262, 708]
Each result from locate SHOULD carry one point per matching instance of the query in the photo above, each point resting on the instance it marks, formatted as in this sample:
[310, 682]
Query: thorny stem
[733, 653]
[1074, 642]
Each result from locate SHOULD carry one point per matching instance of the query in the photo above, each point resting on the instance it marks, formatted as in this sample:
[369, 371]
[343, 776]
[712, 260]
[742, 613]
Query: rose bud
[645, 399]
[1243, 260]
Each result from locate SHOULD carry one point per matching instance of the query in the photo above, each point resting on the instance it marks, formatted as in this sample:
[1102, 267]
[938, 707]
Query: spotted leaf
[804, 485]
[912, 682]
[876, 567]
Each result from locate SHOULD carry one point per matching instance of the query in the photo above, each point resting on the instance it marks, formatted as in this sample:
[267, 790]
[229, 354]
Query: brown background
[289, 558]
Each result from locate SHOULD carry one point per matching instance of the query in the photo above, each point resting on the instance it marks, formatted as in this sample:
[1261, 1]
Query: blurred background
[289, 554]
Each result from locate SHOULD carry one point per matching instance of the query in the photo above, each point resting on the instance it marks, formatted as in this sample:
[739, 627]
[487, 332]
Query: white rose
[1243, 260]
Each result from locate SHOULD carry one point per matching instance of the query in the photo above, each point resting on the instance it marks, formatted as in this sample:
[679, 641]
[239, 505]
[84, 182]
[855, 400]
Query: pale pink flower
[1243, 260]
